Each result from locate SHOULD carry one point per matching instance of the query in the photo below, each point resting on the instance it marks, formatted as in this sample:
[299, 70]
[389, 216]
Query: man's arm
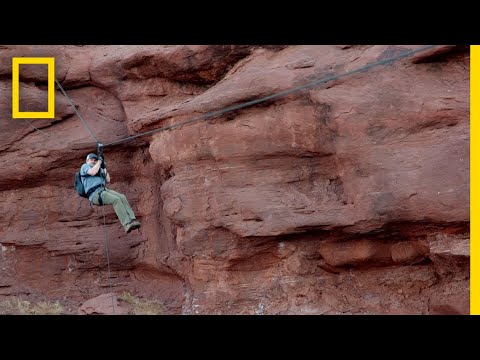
[107, 176]
[94, 170]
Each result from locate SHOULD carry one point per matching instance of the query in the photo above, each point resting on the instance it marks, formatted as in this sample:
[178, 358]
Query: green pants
[120, 205]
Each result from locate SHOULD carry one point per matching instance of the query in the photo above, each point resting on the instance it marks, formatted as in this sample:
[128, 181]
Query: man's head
[91, 159]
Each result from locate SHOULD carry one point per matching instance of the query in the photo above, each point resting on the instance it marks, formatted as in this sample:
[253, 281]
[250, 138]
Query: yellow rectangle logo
[16, 113]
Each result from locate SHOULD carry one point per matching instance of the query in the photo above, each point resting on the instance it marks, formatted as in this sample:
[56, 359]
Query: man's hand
[94, 169]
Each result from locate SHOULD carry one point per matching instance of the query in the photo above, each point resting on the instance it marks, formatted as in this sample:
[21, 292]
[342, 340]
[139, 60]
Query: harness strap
[100, 201]
[92, 190]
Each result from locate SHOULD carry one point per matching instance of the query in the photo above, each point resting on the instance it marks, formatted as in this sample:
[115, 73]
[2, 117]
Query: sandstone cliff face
[348, 198]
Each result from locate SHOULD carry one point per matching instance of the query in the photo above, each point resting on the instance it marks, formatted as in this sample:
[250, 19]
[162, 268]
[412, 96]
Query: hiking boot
[132, 225]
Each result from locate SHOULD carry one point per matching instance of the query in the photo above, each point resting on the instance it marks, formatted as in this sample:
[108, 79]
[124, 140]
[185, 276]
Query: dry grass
[16, 305]
[143, 306]
[47, 308]
[128, 298]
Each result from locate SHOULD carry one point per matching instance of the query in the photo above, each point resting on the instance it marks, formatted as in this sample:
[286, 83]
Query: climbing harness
[102, 166]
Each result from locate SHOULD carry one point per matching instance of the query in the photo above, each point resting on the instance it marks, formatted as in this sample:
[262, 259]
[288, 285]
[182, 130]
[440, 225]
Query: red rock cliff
[350, 197]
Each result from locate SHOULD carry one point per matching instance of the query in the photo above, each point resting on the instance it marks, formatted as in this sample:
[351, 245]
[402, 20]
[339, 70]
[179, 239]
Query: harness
[93, 189]
[101, 174]
[96, 187]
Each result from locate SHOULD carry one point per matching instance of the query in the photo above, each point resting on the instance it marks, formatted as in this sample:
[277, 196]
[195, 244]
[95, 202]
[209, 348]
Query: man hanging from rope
[95, 176]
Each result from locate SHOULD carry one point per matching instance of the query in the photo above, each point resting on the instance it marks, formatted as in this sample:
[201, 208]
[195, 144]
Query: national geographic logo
[16, 113]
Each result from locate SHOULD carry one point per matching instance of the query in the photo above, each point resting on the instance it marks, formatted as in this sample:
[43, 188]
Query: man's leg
[125, 203]
[110, 198]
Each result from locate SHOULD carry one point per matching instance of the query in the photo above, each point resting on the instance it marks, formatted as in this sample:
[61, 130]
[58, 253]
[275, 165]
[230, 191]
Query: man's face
[92, 162]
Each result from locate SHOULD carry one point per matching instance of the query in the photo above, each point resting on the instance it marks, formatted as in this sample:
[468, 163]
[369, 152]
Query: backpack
[78, 185]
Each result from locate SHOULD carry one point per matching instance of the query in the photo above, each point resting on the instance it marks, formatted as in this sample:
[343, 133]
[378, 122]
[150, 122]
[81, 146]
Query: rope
[75, 109]
[108, 256]
[275, 95]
